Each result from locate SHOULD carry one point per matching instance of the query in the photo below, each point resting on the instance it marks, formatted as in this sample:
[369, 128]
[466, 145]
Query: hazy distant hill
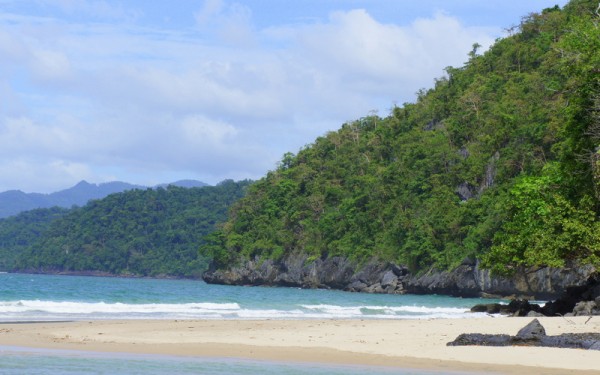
[13, 202]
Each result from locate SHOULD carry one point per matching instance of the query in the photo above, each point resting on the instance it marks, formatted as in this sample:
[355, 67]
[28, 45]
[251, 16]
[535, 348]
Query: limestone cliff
[467, 280]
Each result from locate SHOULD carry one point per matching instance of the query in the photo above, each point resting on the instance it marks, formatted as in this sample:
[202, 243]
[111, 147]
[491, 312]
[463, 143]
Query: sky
[149, 92]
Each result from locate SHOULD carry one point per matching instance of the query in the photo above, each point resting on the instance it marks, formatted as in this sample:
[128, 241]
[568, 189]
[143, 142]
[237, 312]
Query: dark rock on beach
[532, 331]
[533, 334]
[516, 307]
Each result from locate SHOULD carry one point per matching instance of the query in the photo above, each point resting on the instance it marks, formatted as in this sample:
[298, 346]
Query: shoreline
[417, 344]
[100, 274]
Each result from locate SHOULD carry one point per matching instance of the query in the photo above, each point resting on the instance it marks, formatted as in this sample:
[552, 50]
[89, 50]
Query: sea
[38, 298]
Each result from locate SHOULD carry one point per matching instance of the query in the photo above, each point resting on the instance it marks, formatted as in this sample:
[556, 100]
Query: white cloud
[31, 174]
[11, 47]
[23, 136]
[369, 57]
[232, 22]
[94, 8]
[10, 103]
[208, 132]
[209, 10]
[50, 65]
[113, 101]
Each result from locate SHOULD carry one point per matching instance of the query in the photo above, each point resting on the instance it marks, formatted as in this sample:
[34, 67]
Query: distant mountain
[13, 202]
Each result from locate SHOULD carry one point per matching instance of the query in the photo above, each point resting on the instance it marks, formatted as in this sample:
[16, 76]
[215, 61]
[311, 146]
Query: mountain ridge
[13, 202]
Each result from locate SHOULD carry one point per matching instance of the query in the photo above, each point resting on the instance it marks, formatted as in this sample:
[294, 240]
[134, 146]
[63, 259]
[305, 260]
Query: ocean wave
[51, 310]
[32, 309]
[388, 310]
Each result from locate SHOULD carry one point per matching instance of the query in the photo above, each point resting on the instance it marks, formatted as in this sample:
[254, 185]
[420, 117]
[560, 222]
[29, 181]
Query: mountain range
[13, 202]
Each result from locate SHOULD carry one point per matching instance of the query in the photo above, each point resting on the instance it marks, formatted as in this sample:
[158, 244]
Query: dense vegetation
[17, 233]
[153, 232]
[497, 162]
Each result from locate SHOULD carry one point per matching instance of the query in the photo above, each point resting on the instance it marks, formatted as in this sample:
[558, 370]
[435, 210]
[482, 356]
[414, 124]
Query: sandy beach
[396, 343]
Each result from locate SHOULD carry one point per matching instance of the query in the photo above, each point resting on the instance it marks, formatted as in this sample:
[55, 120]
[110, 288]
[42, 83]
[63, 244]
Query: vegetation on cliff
[498, 161]
[153, 232]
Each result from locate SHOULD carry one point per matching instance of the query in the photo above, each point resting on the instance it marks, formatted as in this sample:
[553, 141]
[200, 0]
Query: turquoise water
[50, 297]
[22, 361]
[26, 297]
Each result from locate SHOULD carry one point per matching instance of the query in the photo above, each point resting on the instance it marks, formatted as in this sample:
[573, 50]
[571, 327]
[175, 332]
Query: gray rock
[595, 346]
[356, 286]
[467, 339]
[532, 331]
[489, 308]
[466, 280]
[371, 273]
[584, 308]
[391, 289]
[389, 279]
[587, 341]
[399, 271]
[459, 282]
[465, 191]
[375, 288]
[532, 334]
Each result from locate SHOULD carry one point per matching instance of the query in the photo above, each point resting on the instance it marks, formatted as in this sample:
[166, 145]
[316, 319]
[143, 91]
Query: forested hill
[498, 161]
[13, 202]
[152, 232]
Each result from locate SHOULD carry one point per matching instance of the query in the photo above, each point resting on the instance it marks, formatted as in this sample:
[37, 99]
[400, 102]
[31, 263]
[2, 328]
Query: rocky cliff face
[467, 280]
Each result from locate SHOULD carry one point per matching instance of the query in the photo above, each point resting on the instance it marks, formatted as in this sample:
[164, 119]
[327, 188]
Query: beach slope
[396, 343]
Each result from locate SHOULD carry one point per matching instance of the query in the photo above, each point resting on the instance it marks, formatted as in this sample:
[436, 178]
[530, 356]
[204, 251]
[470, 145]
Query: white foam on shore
[34, 310]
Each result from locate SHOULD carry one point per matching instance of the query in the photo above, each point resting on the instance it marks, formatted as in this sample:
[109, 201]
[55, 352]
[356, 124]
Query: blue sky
[155, 91]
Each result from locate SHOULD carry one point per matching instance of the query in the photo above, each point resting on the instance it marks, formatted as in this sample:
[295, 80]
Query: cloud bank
[104, 97]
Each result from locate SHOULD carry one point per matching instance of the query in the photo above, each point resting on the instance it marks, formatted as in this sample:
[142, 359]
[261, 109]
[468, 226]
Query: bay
[31, 298]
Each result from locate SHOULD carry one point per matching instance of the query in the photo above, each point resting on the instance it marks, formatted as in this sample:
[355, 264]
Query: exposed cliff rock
[467, 280]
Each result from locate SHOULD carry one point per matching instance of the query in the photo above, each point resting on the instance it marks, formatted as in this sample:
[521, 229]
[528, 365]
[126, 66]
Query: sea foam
[53, 310]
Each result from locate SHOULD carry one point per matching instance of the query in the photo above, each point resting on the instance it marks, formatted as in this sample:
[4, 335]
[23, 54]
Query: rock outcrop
[581, 300]
[467, 280]
[516, 307]
[532, 334]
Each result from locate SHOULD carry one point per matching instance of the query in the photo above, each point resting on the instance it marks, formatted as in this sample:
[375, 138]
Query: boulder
[389, 279]
[489, 308]
[356, 286]
[532, 331]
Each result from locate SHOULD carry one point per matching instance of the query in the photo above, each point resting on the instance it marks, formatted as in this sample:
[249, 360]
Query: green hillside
[153, 232]
[17, 233]
[497, 162]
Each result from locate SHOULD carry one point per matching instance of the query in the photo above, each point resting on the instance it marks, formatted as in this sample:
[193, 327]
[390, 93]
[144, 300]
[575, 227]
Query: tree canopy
[153, 232]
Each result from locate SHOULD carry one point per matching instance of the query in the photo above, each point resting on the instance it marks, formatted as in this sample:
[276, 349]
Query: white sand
[400, 343]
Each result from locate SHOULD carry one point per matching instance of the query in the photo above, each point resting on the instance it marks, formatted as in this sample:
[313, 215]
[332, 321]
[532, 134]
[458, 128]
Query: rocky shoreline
[583, 300]
[467, 280]
[573, 290]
